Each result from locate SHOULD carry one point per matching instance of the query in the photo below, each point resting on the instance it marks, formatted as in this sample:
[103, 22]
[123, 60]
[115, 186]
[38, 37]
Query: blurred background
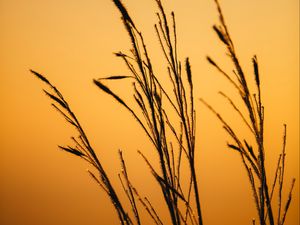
[72, 42]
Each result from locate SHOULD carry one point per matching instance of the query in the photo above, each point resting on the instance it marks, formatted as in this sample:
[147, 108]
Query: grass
[253, 155]
[173, 138]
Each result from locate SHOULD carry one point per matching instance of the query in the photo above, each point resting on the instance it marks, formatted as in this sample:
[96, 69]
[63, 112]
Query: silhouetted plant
[253, 155]
[83, 149]
[150, 96]
[173, 138]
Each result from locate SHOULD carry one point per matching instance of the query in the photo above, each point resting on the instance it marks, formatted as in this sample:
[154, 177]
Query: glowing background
[71, 42]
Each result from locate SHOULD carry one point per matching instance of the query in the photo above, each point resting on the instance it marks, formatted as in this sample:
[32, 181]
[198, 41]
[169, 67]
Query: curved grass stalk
[251, 160]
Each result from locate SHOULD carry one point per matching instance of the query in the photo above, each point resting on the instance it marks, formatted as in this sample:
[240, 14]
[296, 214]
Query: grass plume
[254, 155]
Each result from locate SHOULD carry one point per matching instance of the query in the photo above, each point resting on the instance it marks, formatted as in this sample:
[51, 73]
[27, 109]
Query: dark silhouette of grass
[173, 139]
[253, 155]
[83, 149]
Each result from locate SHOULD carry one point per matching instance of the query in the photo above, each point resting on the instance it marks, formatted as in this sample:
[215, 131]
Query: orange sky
[72, 42]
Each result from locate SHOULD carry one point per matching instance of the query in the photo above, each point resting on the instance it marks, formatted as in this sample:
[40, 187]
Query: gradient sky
[71, 42]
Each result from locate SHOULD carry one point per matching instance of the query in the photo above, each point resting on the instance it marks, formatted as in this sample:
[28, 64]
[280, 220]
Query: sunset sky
[72, 42]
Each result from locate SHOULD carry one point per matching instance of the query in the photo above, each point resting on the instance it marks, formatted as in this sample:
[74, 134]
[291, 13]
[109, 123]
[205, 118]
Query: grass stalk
[251, 160]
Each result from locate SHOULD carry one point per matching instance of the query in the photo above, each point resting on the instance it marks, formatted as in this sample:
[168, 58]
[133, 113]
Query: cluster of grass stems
[174, 138]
